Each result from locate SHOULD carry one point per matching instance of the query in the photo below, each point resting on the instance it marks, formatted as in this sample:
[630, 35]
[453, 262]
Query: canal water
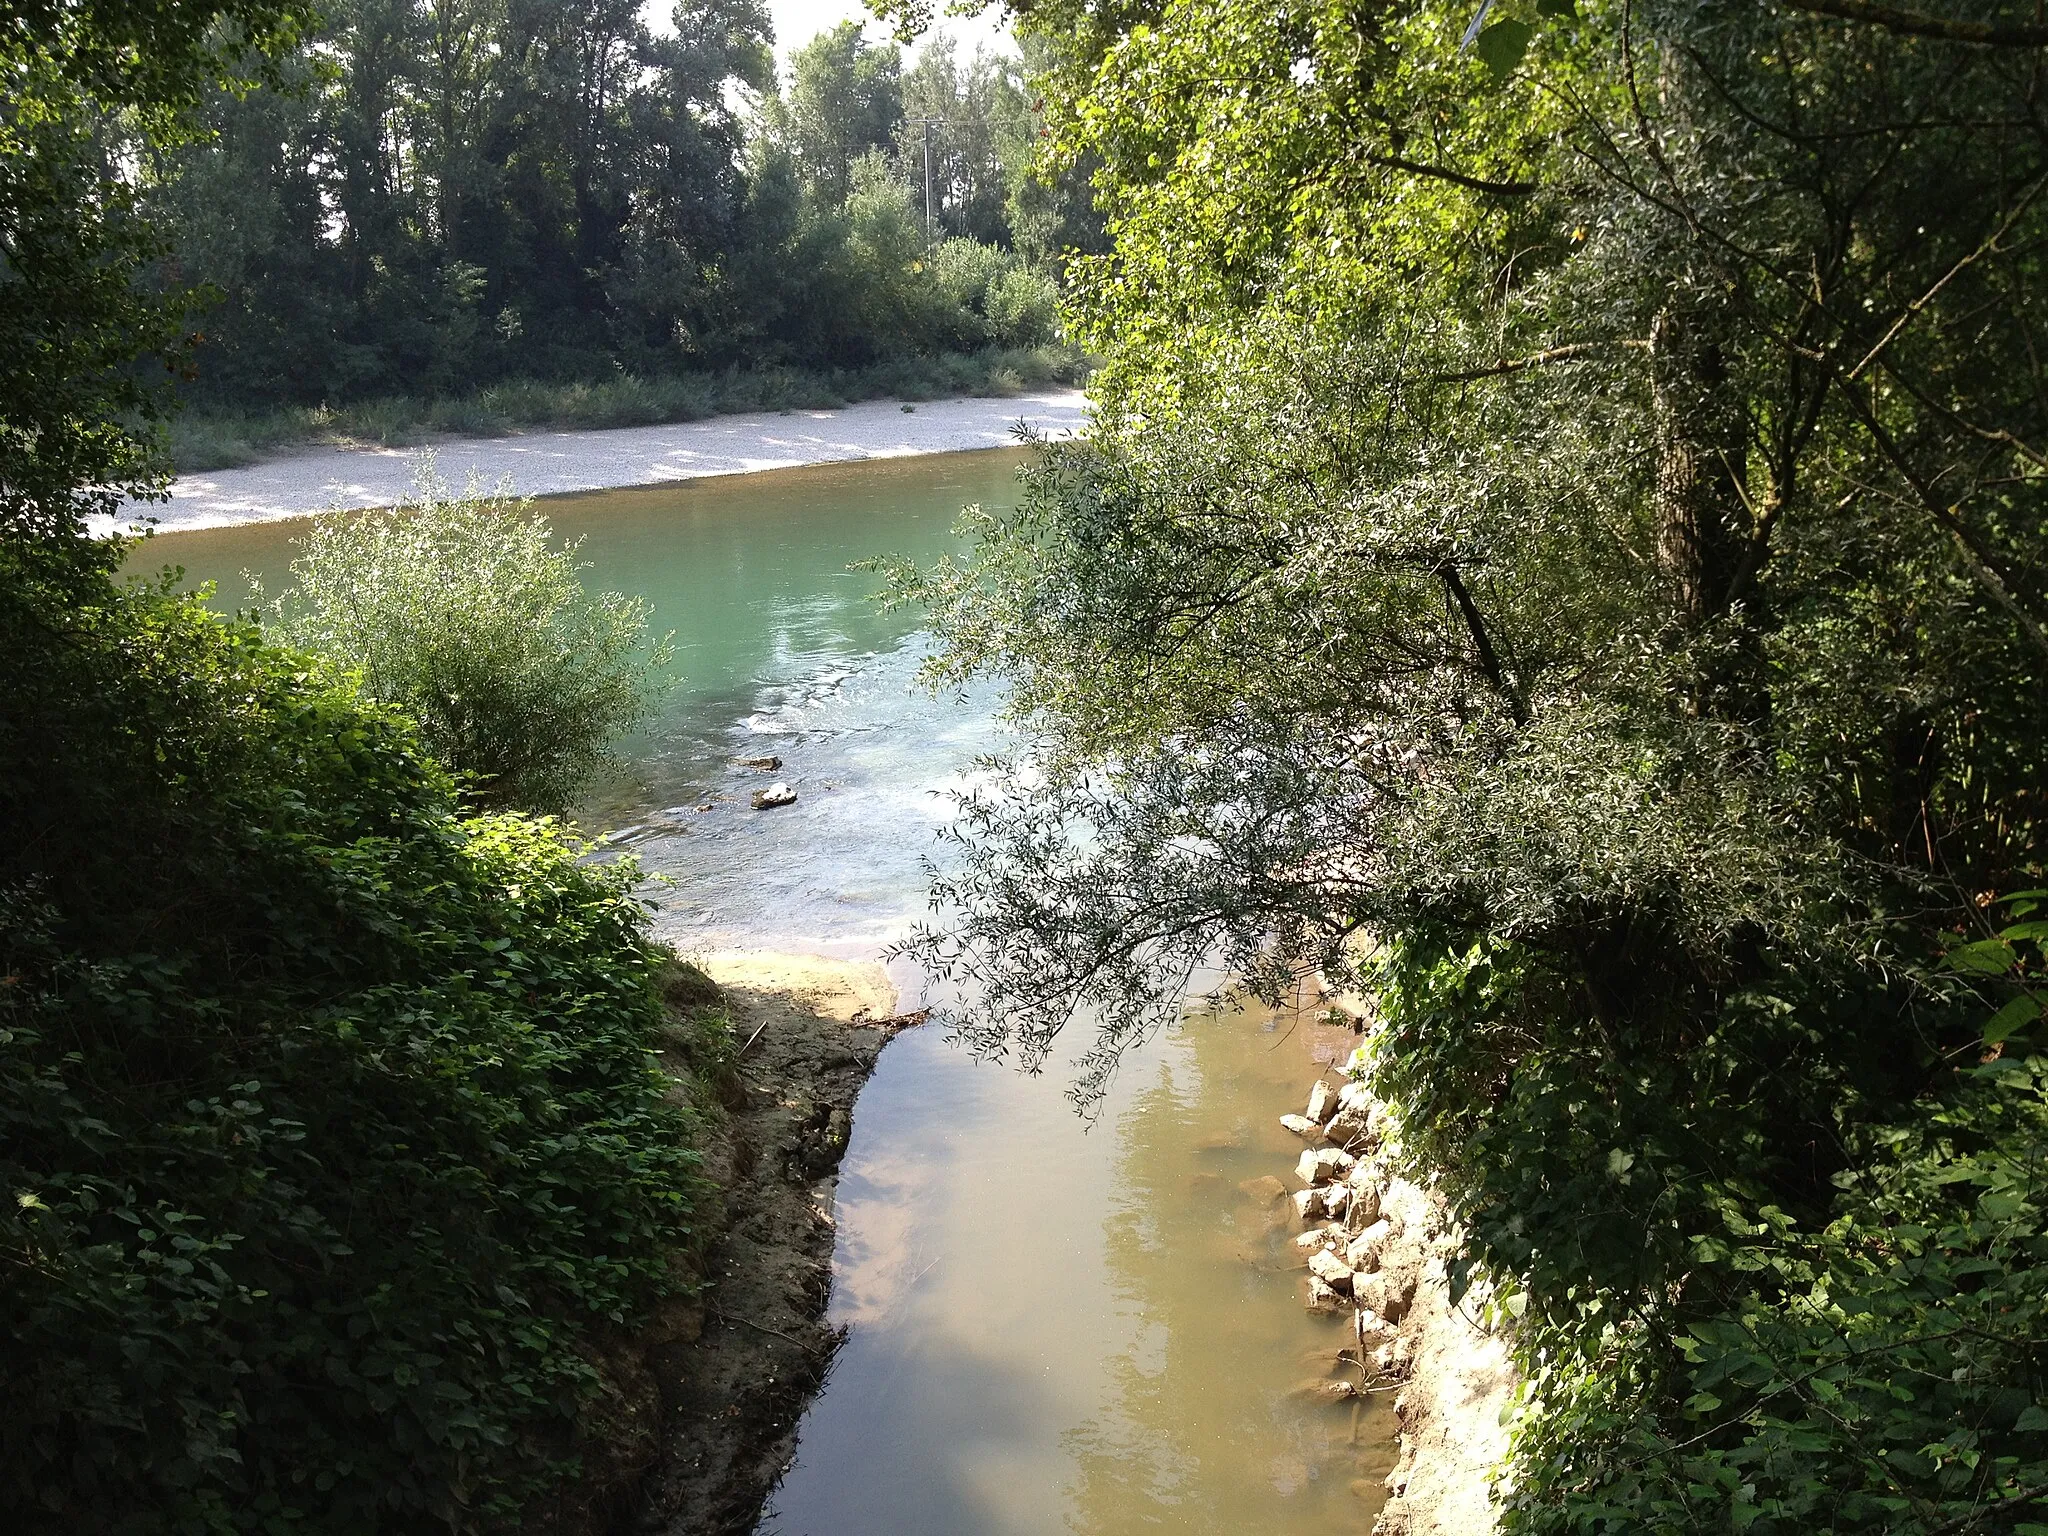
[1055, 1326]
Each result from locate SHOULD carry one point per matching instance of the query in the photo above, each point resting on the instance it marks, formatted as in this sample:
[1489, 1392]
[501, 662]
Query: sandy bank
[551, 463]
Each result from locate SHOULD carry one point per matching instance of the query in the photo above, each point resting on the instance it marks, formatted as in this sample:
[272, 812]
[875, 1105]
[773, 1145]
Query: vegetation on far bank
[205, 436]
[471, 218]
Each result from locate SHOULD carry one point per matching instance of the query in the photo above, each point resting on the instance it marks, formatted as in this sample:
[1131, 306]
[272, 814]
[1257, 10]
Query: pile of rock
[1351, 1231]
[1375, 1246]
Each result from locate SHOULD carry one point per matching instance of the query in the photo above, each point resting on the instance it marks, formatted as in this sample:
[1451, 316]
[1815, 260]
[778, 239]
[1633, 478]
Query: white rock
[1321, 1298]
[1331, 1270]
[1307, 1169]
[1385, 1293]
[1319, 1102]
[1347, 1126]
[1333, 1163]
[1302, 1126]
[1302, 1199]
[1354, 1096]
[1363, 1251]
[775, 794]
[1336, 1200]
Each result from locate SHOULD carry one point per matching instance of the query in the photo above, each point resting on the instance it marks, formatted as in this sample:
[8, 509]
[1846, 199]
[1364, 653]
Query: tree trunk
[1702, 443]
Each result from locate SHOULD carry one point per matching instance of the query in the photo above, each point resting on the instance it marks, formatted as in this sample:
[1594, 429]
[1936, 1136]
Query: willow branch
[1989, 34]
[1507, 365]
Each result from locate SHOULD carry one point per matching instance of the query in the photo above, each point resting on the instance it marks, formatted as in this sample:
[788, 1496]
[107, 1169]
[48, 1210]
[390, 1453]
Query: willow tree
[1563, 544]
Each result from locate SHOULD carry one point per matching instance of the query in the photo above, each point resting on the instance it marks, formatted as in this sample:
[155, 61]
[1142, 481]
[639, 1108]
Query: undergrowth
[335, 1149]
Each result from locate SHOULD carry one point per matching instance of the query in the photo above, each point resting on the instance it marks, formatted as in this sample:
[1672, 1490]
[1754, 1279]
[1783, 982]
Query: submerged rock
[1301, 1125]
[770, 764]
[775, 794]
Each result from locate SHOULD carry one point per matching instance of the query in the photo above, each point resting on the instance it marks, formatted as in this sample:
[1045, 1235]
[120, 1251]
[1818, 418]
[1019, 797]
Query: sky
[798, 21]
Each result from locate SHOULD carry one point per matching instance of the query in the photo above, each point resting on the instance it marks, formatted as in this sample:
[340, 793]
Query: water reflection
[1093, 1331]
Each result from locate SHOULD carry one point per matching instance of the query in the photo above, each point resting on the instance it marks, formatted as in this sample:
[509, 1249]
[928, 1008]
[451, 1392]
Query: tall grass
[204, 437]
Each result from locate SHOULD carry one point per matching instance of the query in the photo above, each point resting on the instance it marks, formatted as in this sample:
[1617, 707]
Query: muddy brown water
[1053, 1326]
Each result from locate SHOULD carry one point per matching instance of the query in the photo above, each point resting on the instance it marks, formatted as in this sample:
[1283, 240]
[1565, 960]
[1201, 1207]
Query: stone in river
[1308, 1169]
[1347, 1126]
[775, 794]
[1363, 1251]
[1265, 1189]
[1302, 1199]
[1365, 1207]
[1333, 1163]
[1385, 1294]
[1319, 1102]
[770, 764]
[1301, 1125]
[1321, 1298]
[1336, 1197]
[1331, 1270]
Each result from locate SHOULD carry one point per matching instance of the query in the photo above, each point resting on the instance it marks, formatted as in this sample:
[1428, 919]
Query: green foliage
[447, 199]
[1562, 545]
[457, 610]
[845, 100]
[73, 319]
[332, 1144]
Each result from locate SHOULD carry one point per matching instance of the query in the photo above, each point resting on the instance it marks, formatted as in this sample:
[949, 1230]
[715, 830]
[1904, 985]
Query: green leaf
[1986, 957]
[2034, 1418]
[1565, 8]
[2013, 1017]
[1502, 45]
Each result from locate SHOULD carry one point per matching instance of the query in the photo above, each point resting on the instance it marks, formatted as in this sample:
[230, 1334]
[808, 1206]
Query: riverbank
[556, 463]
[1376, 1248]
[700, 1419]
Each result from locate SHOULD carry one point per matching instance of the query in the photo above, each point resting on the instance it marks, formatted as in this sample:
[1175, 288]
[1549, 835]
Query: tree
[72, 318]
[976, 121]
[845, 98]
[1563, 544]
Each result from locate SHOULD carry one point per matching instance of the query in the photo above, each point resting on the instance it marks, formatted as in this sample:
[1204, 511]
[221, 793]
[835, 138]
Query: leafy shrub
[1023, 308]
[330, 1136]
[1714, 1338]
[458, 611]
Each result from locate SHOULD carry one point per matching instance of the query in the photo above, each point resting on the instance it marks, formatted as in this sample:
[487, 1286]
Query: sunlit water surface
[1054, 1327]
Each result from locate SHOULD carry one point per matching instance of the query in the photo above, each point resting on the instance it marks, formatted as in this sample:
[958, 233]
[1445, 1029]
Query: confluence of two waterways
[1053, 1327]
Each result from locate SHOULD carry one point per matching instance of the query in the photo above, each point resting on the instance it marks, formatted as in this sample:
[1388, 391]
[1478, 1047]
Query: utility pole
[927, 124]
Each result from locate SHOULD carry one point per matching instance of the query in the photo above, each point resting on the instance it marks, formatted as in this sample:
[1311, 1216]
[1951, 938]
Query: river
[1053, 1327]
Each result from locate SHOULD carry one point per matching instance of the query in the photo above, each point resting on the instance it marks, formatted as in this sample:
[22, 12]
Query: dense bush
[327, 1118]
[456, 609]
